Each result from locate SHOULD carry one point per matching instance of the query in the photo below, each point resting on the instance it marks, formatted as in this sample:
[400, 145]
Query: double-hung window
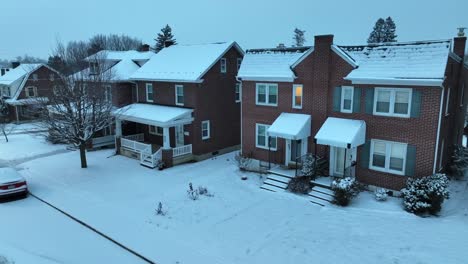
[238, 92]
[5, 91]
[31, 91]
[108, 93]
[179, 89]
[239, 62]
[267, 94]
[205, 127]
[261, 137]
[155, 130]
[392, 102]
[297, 96]
[35, 76]
[223, 65]
[347, 94]
[388, 156]
[149, 92]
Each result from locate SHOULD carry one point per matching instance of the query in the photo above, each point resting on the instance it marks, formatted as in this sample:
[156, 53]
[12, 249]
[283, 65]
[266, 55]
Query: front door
[296, 149]
[337, 161]
[179, 135]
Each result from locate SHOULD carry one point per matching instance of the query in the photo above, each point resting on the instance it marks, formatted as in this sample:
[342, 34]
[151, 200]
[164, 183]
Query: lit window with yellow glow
[297, 96]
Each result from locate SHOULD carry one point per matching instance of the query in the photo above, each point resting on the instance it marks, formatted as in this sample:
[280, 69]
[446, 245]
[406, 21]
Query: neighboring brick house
[378, 112]
[187, 107]
[24, 87]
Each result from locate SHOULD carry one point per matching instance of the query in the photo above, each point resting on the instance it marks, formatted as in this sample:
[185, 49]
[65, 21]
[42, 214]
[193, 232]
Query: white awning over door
[340, 132]
[291, 126]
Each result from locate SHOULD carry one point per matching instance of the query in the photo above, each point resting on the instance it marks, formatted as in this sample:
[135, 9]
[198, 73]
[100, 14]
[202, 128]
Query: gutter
[438, 130]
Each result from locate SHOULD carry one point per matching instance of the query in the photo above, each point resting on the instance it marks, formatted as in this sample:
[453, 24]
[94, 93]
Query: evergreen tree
[56, 62]
[377, 34]
[389, 30]
[165, 35]
[299, 38]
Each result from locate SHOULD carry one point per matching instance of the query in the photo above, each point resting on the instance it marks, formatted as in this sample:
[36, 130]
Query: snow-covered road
[32, 232]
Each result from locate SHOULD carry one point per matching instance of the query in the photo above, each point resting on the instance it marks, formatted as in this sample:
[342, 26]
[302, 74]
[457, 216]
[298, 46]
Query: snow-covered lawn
[25, 146]
[241, 223]
[32, 232]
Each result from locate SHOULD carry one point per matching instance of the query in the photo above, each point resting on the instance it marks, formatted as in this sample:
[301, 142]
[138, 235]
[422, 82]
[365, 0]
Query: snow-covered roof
[27, 101]
[157, 115]
[121, 55]
[340, 132]
[291, 126]
[185, 63]
[19, 72]
[272, 64]
[417, 63]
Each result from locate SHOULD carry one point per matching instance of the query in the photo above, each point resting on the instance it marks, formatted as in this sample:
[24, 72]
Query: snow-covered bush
[425, 195]
[345, 189]
[243, 161]
[300, 185]
[204, 191]
[308, 166]
[381, 194]
[458, 162]
[4, 260]
[159, 210]
[192, 193]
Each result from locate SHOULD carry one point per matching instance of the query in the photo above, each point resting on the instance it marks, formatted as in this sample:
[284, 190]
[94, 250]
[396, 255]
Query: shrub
[381, 194]
[308, 165]
[159, 210]
[300, 185]
[345, 189]
[204, 191]
[192, 194]
[425, 195]
[458, 162]
[243, 161]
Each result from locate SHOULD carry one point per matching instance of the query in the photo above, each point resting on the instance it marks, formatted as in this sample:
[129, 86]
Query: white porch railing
[135, 146]
[182, 150]
[137, 137]
[151, 160]
[103, 141]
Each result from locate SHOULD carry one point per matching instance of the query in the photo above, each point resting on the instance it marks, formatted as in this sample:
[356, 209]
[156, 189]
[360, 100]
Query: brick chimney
[144, 47]
[15, 64]
[459, 45]
[323, 40]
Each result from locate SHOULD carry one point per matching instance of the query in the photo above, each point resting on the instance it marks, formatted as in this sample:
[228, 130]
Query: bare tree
[4, 128]
[79, 106]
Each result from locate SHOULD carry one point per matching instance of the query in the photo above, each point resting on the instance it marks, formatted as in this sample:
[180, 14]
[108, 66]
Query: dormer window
[93, 67]
[223, 65]
[35, 77]
[5, 91]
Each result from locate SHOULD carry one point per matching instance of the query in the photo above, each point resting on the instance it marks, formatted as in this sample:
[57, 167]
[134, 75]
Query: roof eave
[305, 55]
[167, 80]
[344, 56]
[397, 81]
[267, 78]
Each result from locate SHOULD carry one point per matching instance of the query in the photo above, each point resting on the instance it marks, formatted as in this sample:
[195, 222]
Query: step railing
[182, 150]
[151, 160]
[135, 146]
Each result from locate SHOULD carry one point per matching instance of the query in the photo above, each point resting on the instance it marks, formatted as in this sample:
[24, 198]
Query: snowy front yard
[241, 223]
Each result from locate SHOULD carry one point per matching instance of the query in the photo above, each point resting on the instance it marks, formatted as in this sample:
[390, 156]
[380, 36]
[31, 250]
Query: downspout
[241, 93]
[17, 114]
[438, 129]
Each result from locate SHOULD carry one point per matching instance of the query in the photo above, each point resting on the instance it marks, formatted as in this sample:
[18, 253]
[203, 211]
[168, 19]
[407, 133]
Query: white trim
[238, 91]
[268, 79]
[342, 109]
[26, 92]
[235, 45]
[392, 91]
[266, 138]
[307, 53]
[239, 63]
[438, 129]
[462, 95]
[267, 94]
[108, 92]
[388, 152]
[207, 122]
[152, 92]
[344, 56]
[447, 102]
[223, 65]
[177, 96]
[153, 130]
[294, 96]
[396, 81]
[166, 80]
[241, 120]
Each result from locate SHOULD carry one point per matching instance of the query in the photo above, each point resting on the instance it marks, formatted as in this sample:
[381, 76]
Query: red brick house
[381, 113]
[187, 106]
[24, 87]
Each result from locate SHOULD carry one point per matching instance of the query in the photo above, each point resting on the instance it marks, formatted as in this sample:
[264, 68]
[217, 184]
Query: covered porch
[295, 130]
[153, 148]
[343, 136]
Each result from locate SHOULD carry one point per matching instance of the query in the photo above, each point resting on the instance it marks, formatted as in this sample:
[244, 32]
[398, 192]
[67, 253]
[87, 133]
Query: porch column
[166, 138]
[118, 127]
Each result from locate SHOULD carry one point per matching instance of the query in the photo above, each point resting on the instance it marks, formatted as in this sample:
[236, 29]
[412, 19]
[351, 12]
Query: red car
[12, 184]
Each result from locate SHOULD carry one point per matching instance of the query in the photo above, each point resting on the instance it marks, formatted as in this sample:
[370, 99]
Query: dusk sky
[32, 26]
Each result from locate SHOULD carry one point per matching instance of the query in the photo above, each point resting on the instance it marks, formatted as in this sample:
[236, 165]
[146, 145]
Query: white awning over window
[291, 126]
[155, 115]
[339, 132]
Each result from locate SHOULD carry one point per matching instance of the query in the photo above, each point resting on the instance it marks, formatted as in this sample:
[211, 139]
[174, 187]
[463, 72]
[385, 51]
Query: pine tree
[377, 34]
[165, 35]
[299, 38]
[389, 30]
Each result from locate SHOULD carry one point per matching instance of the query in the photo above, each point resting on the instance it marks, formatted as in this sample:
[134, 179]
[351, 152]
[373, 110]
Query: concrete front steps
[320, 194]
